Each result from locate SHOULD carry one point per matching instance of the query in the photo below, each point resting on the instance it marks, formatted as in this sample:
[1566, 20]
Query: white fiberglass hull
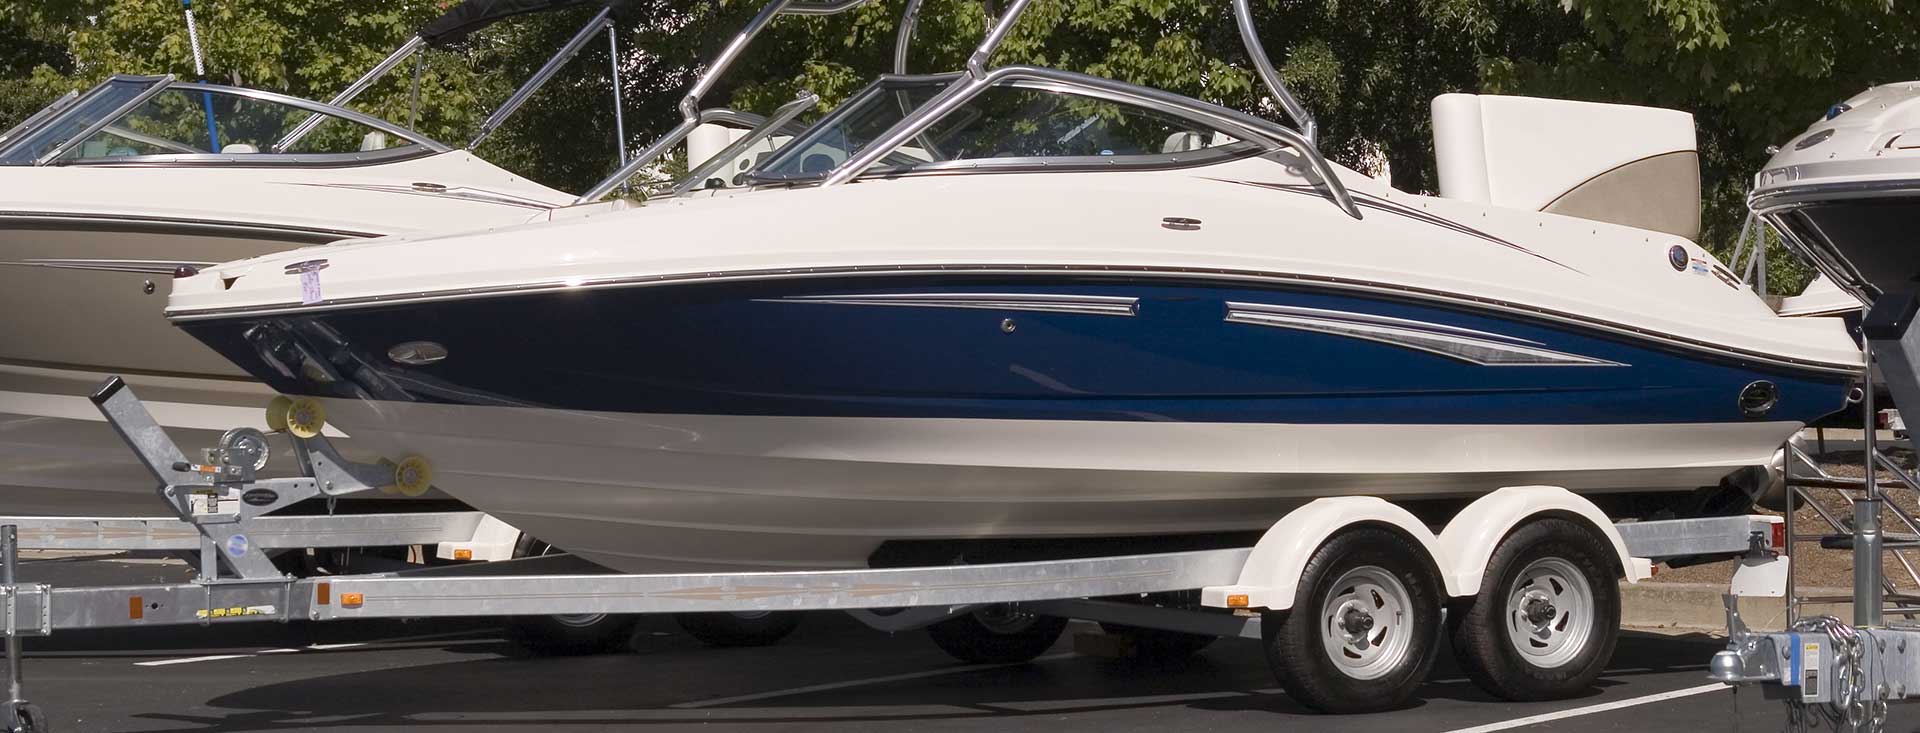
[649, 493]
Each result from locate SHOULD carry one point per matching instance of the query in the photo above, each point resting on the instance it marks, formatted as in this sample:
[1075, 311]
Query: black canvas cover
[472, 15]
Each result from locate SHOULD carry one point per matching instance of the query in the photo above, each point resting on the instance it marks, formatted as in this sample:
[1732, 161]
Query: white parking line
[309, 647]
[1591, 709]
[855, 683]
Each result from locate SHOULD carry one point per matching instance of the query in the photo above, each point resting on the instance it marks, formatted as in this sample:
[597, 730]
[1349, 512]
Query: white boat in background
[106, 196]
[1020, 310]
[1846, 192]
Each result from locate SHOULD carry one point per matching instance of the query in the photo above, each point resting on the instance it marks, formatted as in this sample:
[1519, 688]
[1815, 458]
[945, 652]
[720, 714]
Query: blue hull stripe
[750, 348]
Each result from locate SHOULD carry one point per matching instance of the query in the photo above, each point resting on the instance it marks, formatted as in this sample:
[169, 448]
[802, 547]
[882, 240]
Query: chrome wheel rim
[1550, 612]
[1365, 624]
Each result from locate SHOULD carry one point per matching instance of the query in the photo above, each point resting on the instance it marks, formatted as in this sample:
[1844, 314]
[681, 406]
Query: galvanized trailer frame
[223, 516]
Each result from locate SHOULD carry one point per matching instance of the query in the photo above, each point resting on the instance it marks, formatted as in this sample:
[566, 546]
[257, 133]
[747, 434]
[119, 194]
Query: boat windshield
[128, 118]
[26, 144]
[1006, 126]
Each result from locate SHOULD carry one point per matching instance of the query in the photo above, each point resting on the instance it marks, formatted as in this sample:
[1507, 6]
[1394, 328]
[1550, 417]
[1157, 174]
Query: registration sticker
[309, 287]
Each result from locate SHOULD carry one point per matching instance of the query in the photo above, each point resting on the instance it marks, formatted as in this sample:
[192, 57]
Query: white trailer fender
[1272, 573]
[1467, 543]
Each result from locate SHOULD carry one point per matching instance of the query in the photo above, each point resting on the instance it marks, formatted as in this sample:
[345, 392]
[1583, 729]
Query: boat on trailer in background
[107, 194]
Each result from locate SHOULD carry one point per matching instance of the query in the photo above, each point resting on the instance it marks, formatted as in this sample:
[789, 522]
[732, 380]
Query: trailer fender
[1468, 541]
[1272, 572]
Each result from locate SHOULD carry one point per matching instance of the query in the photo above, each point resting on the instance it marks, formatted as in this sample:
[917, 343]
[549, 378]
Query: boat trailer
[224, 519]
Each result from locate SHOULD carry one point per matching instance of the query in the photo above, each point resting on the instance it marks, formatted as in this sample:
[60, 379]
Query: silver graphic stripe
[1102, 305]
[1473, 347]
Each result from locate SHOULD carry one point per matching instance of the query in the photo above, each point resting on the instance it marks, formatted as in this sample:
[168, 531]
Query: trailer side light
[1237, 601]
[463, 554]
[352, 600]
[322, 594]
[136, 608]
[1779, 538]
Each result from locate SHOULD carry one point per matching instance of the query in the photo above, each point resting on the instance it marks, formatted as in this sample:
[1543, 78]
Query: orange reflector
[136, 608]
[1236, 601]
[463, 554]
[352, 600]
[323, 593]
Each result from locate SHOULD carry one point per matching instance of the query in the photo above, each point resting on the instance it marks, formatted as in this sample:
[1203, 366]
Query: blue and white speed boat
[1022, 303]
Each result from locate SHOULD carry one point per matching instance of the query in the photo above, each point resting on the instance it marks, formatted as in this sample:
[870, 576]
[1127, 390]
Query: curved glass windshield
[185, 120]
[1006, 124]
[27, 146]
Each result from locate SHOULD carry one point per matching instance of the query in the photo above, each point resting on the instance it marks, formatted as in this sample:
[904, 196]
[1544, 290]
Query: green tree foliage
[1752, 71]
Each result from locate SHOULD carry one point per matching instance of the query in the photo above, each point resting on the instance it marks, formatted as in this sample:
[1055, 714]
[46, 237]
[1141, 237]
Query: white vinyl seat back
[239, 149]
[1621, 164]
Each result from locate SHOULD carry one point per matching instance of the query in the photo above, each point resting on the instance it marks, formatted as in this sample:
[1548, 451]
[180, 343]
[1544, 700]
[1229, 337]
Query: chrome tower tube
[619, 115]
[520, 96]
[353, 90]
[1243, 17]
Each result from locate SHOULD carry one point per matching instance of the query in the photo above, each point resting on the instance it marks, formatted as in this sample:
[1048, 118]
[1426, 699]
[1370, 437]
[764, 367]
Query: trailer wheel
[567, 634]
[1361, 632]
[1545, 621]
[997, 634]
[754, 628]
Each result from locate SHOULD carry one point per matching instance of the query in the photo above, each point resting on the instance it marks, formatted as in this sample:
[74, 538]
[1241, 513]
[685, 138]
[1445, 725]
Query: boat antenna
[200, 72]
[1243, 17]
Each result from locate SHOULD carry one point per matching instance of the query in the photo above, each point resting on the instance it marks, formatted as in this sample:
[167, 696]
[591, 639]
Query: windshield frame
[415, 144]
[155, 85]
[1241, 147]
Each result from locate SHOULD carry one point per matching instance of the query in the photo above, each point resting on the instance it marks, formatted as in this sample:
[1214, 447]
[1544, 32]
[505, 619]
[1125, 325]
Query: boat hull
[798, 423]
[666, 492]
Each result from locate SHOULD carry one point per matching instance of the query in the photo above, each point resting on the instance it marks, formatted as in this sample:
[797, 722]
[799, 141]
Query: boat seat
[239, 149]
[1621, 164]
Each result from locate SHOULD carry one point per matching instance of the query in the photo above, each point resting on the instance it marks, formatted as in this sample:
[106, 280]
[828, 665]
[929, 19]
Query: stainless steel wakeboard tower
[455, 26]
[976, 79]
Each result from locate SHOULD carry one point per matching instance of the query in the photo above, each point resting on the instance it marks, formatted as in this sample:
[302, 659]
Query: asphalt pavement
[831, 674]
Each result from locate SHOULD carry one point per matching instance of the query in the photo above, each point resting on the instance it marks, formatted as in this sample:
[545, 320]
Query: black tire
[567, 635]
[1561, 660]
[27, 718]
[997, 634]
[739, 629]
[1297, 642]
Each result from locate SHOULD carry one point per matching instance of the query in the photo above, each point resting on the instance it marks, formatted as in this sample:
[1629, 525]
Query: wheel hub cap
[1365, 623]
[1550, 612]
